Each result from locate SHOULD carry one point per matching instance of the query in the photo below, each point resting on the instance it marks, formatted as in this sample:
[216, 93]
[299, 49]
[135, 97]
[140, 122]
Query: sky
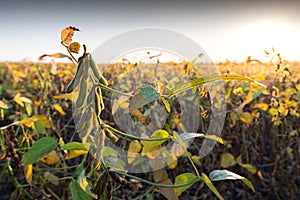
[224, 29]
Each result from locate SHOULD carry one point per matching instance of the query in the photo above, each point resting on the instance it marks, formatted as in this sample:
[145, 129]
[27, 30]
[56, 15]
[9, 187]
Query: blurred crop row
[261, 131]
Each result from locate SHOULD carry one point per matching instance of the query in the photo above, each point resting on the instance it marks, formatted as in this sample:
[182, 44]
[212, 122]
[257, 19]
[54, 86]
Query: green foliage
[182, 179]
[77, 192]
[73, 146]
[39, 149]
[145, 94]
[36, 125]
[219, 175]
[208, 182]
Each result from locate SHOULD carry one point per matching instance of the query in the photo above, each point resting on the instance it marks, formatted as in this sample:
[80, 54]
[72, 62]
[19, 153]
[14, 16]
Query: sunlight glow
[253, 39]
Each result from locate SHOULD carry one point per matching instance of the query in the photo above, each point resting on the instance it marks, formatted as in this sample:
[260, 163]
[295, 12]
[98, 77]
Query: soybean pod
[83, 87]
[99, 105]
[77, 76]
[88, 128]
[94, 67]
[110, 135]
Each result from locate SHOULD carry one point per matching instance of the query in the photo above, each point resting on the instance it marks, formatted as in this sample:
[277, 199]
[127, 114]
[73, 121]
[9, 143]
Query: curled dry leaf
[67, 35]
[56, 55]
[74, 47]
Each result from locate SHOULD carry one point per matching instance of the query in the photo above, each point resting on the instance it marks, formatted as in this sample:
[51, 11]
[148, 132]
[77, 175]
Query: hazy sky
[224, 29]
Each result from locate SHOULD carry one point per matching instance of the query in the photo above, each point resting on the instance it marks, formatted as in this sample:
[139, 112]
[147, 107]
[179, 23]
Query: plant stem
[115, 91]
[151, 183]
[132, 136]
[194, 166]
[74, 59]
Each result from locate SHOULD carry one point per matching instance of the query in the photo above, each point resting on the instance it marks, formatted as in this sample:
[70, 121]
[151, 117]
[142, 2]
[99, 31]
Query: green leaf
[142, 96]
[77, 192]
[227, 160]
[219, 175]
[298, 96]
[39, 149]
[28, 108]
[208, 182]
[150, 145]
[182, 179]
[39, 127]
[187, 136]
[109, 152]
[185, 86]
[149, 197]
[73, 146]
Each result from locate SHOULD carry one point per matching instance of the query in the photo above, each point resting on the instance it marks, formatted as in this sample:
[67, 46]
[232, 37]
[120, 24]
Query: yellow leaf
[25, 100]
[36, 103]
[249, 98]
[196, 159]
[59, 109]
[75, 153]
[67, 34]
[27, 122]
[170, 158]
[246, 117]
[19, 74]
[139, 115]
[167, 104]
[1, 114]
[172, 161]
[51, 178]
[68, 96]
[74, 47]
[261, 106]
[183, 179]
[249, 167]
[227, 160]
[150, 146]
[154, 153]
[134, 148]
[21, 100]
[124, 105]
[214, 137]
[28, 173]
[208, 182]
[18, 100]
[44, 121]
[117, 104]
[259, 174]
[51, 158]
[55, 55]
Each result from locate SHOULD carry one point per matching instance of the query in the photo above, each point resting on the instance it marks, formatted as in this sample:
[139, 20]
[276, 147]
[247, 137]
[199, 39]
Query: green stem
[151, 183]
[115, 91]
[194, 166]
[17, 185]
[144, 194]
[132, 136]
